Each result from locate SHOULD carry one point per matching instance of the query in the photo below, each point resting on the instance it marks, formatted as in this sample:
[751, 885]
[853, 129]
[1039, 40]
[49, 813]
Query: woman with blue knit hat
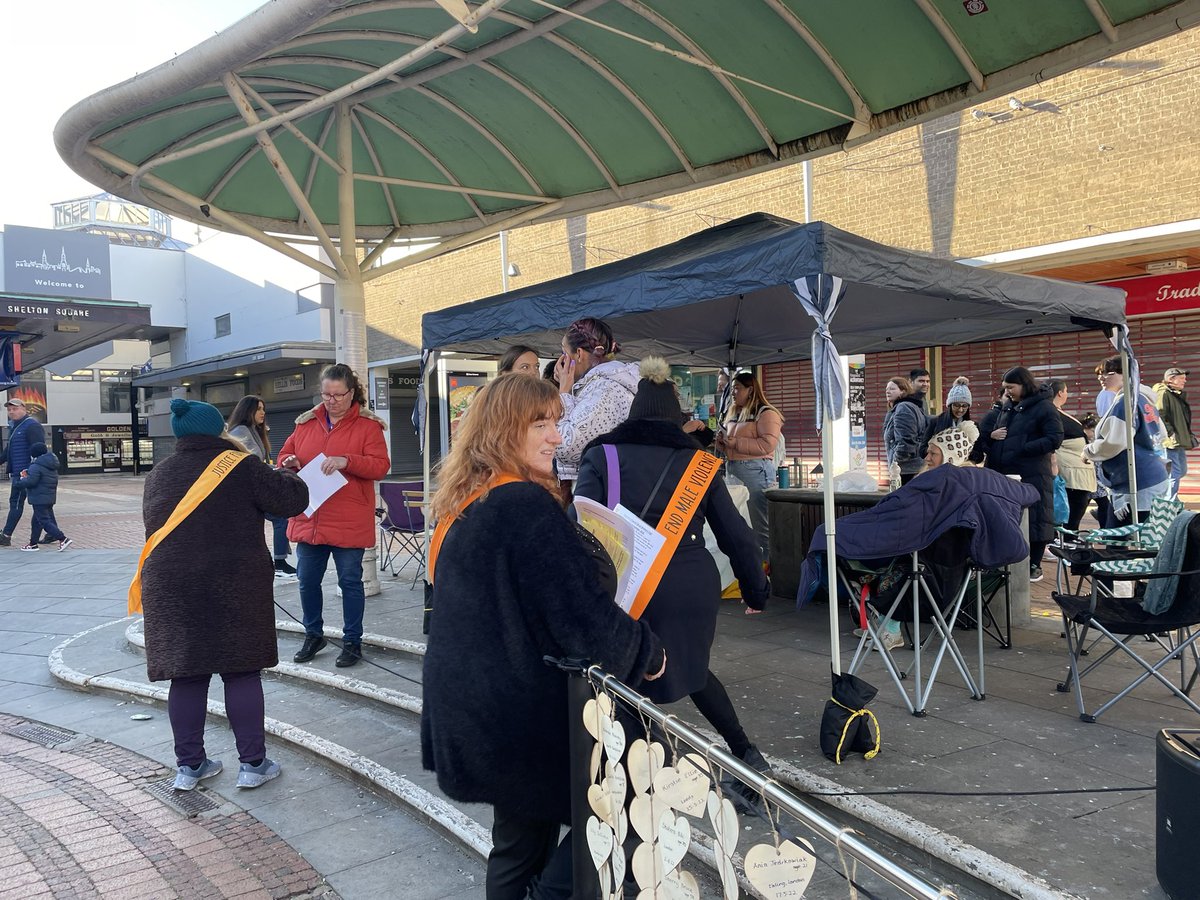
[200, 621]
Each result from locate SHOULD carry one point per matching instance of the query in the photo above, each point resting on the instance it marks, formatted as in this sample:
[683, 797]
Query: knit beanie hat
[656, 397]
[195, 417]
[959, 392]
[956, 443]
[37, 449]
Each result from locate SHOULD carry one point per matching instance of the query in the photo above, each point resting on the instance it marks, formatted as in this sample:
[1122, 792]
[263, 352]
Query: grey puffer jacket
[903, 434]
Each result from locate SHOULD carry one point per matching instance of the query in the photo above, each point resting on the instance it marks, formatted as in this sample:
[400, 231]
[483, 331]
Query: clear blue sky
[54, 53]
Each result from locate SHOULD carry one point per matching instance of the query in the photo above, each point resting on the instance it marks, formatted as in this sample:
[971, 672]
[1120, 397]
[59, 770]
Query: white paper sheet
[637, 544]
[320, 486]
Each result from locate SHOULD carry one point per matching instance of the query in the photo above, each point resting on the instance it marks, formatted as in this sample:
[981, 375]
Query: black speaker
[1177, 812]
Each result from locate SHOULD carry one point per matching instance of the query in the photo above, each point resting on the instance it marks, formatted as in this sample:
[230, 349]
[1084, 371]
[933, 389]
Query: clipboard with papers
[632, 545]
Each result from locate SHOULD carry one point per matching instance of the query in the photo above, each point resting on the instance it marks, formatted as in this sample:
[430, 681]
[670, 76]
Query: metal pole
[806, 168]
[504, 261]
[1129, 391]
[846, 840]
[835, 638]
[585, 880]
[133, 422]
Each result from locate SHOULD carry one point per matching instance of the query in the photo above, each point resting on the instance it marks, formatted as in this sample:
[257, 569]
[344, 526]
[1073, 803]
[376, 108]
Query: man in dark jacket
[1176, 415]
[40, 482]
[23, 432]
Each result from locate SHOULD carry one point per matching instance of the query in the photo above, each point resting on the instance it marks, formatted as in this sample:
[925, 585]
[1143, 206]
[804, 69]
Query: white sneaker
[64, 544]
[892, 640]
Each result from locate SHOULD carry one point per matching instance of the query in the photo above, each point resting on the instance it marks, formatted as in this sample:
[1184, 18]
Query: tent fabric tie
[820, 295]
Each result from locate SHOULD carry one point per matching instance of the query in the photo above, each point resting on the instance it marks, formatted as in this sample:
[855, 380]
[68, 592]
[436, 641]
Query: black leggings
[714, 704]
[1077, 504]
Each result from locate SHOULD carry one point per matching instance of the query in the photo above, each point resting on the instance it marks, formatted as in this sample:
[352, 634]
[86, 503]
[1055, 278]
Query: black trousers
[526, 855]
[714, 704]
[1077, 504]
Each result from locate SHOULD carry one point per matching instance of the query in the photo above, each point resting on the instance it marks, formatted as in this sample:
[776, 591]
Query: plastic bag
[856, 480]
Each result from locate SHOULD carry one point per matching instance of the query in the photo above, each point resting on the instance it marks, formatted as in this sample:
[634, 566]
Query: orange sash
[439, 532]
[700, 472]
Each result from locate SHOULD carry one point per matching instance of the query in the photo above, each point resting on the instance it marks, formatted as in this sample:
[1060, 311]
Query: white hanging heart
[601, 803]
[644, 761]
[648, 869]
[594, 710]
[723, 818]
[729, 882]
[618, 866]
[600, 841]
[780, 873]
[679, 885]
[594, 766]
[615, 783]
[674, 836]
[644, 813]
[612, 735]
[684, 786]
[622, 825]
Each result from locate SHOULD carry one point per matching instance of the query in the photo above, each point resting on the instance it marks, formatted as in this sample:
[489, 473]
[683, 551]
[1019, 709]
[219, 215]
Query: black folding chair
[1167, 636]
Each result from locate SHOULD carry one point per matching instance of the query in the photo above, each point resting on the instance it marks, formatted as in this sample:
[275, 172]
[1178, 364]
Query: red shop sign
[1176, 292]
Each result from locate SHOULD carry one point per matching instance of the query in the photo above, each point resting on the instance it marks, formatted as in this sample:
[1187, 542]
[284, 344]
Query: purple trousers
[187, 708]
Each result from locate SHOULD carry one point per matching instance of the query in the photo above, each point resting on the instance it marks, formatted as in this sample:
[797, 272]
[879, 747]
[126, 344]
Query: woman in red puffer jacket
[351, 437]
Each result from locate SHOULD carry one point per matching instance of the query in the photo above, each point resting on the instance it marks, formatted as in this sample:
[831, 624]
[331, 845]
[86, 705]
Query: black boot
[350, 655]
[312, 644]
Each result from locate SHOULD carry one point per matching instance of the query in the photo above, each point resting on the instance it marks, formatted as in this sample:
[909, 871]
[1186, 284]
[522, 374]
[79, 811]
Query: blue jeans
[311, 562]
[758, 475]
[1178, 458]
[281, 548]
[43, 520]
[16, 505]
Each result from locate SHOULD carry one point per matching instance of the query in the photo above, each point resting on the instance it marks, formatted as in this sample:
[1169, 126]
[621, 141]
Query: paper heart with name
[644, 761]
[684, 786]
[600, 800]
[617, 862]
[599, 841]
[783, 872]
[679, 885]
[612, 736]
[723, 818]
[594, 711]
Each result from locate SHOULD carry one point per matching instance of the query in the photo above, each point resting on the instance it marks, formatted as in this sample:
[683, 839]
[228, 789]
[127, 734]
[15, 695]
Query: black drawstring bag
[847, 726]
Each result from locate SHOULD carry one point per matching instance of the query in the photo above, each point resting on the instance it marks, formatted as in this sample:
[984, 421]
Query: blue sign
[49, 263]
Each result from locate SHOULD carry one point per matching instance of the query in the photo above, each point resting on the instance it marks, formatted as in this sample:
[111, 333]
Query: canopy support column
[349, 296]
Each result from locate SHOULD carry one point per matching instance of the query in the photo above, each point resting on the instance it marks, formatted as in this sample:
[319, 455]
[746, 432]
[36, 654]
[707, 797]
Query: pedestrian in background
[520, 359]
[920, 381]
[248, 424]
[207, 591]
[351, 437]
[40, 482]
[1078, 473]
[1176, 414]
[596, 390]
[749, 439]
[903, 432]
[23, 432]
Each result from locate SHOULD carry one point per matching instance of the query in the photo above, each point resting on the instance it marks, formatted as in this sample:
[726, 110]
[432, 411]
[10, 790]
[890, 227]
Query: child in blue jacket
[40, 481]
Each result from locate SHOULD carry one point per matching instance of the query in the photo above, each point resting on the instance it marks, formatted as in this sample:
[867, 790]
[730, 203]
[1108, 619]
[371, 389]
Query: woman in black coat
[208, 592]
[1019, 438]
[512, 583]
[683, 609]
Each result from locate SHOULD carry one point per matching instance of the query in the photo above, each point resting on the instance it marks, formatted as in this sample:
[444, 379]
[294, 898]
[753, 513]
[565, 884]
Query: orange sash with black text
[702, 468]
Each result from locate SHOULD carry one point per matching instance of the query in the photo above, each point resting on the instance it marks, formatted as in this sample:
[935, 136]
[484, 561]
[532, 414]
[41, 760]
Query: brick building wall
[1106, 148]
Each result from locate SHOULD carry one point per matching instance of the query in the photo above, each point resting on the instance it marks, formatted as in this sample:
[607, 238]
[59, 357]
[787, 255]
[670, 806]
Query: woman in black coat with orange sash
[682, 611]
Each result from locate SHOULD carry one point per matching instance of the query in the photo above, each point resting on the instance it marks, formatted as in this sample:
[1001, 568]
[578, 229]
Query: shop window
[114, 391]
[78, 375]
[223, 327]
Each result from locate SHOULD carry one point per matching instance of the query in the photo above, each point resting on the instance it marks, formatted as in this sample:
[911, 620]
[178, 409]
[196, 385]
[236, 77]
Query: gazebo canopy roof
[546, 109]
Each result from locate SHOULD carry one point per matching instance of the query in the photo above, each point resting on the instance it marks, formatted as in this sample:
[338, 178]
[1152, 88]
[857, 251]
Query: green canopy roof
[532, 109]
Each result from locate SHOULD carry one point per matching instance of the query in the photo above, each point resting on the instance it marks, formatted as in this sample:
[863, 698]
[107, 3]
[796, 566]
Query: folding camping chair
[1172, 634]
[402, 527]
[931, 586]
[991, 583]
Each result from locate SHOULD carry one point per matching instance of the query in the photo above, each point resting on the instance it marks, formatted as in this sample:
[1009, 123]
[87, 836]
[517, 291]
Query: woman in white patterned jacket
[595, 389]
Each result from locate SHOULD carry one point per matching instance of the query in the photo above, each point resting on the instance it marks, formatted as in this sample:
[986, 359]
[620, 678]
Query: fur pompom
[655, 369]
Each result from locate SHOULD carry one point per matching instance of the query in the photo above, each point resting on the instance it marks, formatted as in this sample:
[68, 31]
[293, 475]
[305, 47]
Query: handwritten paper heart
[684, 786]
[648, 869]
[644, 760]
[594, 766]
[618, 867]
[599, 841]
[729, 882]
[601, 803]
[674, 886]
[612, 735]
[723, 818]
[674, 836]
[593, 711]
[783, 872]
[615, 783]
[644, 813]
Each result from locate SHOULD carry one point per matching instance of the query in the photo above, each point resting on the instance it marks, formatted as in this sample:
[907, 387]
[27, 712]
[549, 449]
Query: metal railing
[586, 680]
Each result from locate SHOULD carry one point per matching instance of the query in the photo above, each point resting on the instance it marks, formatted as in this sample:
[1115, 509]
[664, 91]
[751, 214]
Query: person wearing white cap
[1176, 415]
[23, 432]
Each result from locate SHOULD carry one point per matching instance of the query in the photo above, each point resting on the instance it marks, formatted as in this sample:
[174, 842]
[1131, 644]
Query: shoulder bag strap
[614, 475]
[201, 488]
[442, 527]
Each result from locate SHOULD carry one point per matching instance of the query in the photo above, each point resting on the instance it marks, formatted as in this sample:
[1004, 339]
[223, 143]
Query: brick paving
[79, 823]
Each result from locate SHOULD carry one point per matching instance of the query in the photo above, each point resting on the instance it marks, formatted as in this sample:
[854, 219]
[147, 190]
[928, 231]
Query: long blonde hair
[491, 440]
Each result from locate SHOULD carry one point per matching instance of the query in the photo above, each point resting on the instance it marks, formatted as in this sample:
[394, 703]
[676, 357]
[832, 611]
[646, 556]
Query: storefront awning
[52, 329]
[287, 356]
